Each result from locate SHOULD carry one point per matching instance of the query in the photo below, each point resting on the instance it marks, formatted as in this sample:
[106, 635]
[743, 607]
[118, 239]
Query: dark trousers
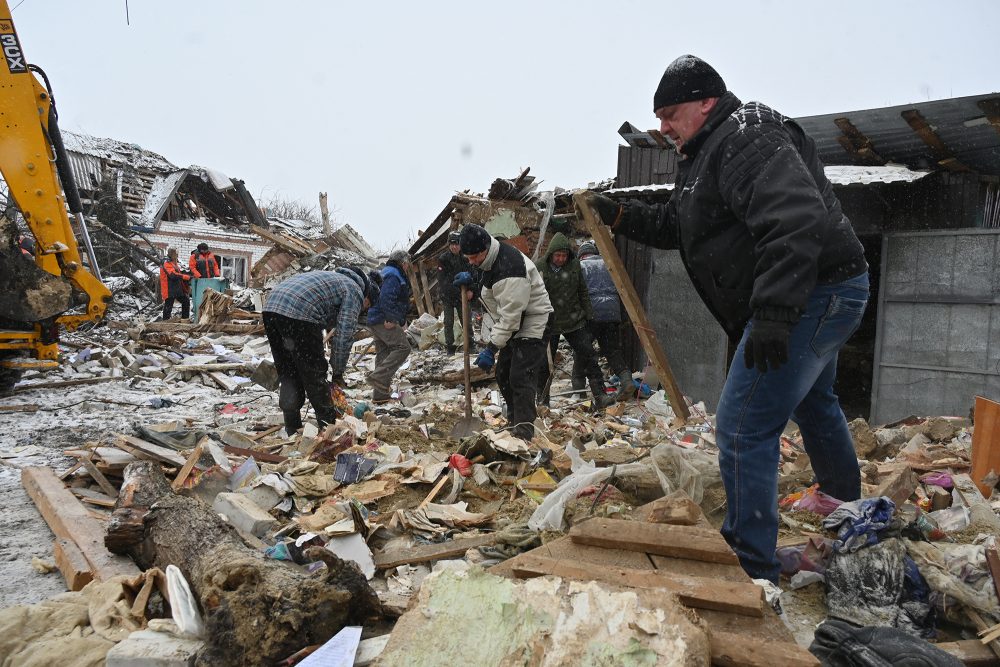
[297, 347]
[517, 372]
[450, 310]
[608, 337]
[583, 354]
[168, 305]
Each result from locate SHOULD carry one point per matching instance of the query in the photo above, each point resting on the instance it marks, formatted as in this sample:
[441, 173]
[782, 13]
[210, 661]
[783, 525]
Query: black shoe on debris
[603, 400]
[580, 386]
[450, 350]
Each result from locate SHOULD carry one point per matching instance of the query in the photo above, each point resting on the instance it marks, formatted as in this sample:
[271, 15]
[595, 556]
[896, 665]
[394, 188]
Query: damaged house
[920, 185]
[169, 206]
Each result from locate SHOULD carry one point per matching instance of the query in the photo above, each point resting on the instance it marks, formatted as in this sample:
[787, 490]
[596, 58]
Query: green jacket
[567, 288]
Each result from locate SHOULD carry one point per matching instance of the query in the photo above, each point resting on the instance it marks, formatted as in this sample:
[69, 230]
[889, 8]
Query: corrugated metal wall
[938, 342]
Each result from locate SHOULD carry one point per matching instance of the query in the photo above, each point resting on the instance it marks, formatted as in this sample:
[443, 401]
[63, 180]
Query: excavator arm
[36, 292]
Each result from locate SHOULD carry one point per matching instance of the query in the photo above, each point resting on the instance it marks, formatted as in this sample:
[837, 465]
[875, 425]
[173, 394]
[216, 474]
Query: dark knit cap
[588, 248]
[473, 239]
[687, 79]
[454, 237]
[203, 247]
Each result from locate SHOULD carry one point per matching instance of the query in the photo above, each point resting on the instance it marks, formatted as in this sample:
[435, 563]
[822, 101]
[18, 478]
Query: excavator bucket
[27, 293]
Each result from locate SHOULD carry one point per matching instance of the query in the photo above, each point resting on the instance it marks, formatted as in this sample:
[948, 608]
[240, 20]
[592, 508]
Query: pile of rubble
[190, 523]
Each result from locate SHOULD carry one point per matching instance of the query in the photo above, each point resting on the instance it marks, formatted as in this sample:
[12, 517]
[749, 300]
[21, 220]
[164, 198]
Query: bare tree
[276, 206]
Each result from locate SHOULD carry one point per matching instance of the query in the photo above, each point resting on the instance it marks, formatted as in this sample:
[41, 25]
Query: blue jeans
[755, 407]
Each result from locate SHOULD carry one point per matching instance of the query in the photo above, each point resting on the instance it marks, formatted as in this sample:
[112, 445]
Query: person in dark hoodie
[567, 289]
[387, 321]
[766, 244]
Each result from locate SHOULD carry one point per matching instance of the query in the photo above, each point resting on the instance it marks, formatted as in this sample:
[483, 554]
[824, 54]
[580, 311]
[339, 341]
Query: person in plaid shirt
[295, 314]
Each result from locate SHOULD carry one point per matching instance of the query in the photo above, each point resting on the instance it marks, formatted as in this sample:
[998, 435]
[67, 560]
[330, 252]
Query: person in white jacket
[516, 318]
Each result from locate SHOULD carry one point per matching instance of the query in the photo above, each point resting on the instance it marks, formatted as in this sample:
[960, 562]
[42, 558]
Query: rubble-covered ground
[391, 478]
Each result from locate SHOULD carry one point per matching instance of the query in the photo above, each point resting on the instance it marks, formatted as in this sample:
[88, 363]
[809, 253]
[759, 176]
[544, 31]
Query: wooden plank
[632, 302]
[68, 519]
[985, 443]
[429, 552]
[65, 383]
[417, 289]
[971, 652]
[72, 469]
[691, 542]
[266, 432]
[183, 473]
[224, 381]
[21, 407]
[258, 455]
[945, 157]
[677, 510]
[856, 143]
[71, 563]
[981, 624]
[428, 297]
[99, 477]
[205, 368]
[93, 497]
[899, 485]
[142, 597]
[698, 592]
[430, 496]
[993, 563]
[148, 450]
[739, 650]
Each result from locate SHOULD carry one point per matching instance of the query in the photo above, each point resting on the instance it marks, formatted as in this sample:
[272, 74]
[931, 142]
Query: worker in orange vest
[203, 264]
[174, 285]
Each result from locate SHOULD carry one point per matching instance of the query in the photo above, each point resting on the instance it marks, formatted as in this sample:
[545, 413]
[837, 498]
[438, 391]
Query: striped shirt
[330, 299]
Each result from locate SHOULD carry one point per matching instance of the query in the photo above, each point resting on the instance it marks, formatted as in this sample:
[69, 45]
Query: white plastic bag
[183, 608]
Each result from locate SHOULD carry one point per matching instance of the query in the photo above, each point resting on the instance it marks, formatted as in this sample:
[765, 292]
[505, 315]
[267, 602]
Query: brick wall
[248, 247]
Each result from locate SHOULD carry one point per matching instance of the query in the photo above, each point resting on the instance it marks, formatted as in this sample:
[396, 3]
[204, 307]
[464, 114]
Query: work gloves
[486, 359]
[462, 279]
[608, 208]
[767, 346]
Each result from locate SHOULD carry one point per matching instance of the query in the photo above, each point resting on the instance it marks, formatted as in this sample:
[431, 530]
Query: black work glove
[767, 345]
[607, 208]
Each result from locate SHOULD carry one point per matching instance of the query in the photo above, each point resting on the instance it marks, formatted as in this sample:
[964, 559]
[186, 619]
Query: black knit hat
[687, 79]
[203, 247]
[454, 237]
[473, 239]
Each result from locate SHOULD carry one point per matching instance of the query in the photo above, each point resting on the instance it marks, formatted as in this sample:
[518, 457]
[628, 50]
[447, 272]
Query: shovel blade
[467, 426]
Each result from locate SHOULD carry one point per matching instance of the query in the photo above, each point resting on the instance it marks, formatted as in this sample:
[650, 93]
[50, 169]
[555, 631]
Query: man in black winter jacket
[451, 262]
[771, 253]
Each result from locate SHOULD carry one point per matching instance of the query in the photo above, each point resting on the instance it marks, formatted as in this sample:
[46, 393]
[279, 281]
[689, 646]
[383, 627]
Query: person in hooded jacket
[516, 314]
[769, 249]
[451, 263]
[174, 285]
[296, 313]
[605, 325]
[567, 289]
[387, 321]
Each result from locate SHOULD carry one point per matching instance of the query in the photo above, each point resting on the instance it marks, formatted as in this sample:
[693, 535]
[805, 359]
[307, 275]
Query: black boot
[627, 388]
[579, 385]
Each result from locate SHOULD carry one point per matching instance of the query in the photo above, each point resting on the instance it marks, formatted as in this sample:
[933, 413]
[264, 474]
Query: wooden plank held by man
[633, 304]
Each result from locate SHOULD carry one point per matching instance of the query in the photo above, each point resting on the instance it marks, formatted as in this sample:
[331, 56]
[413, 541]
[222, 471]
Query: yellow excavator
[43, 285]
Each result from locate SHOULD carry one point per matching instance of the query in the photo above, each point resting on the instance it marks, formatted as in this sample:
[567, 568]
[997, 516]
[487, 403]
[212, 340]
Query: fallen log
[257, 611]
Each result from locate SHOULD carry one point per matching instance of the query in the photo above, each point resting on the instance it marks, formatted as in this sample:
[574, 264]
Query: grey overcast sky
[393, 106]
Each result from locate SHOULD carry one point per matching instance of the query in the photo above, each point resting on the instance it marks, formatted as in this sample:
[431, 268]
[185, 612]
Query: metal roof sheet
[962, 124]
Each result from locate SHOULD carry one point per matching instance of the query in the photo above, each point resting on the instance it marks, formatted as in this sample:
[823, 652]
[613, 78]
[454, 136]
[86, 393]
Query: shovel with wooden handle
[468, 424]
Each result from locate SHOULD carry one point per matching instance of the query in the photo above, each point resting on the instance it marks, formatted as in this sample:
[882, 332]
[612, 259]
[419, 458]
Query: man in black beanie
[772, 255]
[516, 317]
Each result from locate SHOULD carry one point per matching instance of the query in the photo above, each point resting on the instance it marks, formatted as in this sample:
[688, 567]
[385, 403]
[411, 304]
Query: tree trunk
[257, 611]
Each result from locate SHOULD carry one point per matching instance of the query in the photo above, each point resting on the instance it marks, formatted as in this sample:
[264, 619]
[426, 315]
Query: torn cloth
[857, 523]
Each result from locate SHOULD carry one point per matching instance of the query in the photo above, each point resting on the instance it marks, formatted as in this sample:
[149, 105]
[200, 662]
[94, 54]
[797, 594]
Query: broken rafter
[944, 156]
[855, 142]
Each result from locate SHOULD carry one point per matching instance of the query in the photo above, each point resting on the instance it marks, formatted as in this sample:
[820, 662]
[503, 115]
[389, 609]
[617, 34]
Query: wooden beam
[429, 552]
[970, 651]
[22, 407]
[418, 296]
[72, 565]
[182, 475]
[66, 383]
[70, 520]
[148, 450]
[324, 212]
[429, 299]
[945, 157]
[99, 477]
[694, 542]
[432, 229]
[633, 305]
[857, 143]
[738, 650]
[991, 108]
[985, 443]
[699, 592]
[258, 455]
